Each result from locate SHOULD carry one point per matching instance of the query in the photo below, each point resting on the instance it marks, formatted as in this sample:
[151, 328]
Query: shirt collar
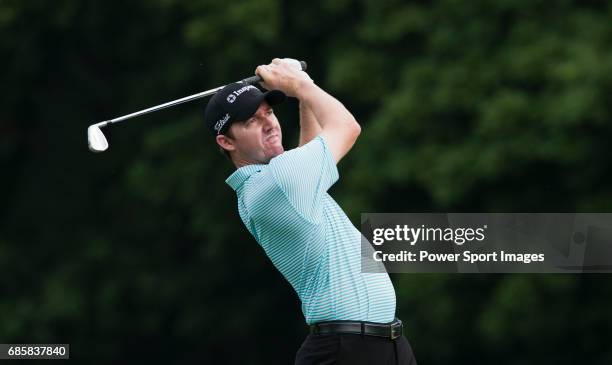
[236, 179]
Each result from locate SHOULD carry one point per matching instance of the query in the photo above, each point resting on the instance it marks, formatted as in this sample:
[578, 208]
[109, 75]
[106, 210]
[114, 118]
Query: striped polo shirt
[309, 238]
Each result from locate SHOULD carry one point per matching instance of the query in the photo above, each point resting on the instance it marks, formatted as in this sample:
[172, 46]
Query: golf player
[283, 202]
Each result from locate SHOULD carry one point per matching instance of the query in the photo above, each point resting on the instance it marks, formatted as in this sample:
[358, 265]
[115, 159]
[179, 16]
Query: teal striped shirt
[309, 238]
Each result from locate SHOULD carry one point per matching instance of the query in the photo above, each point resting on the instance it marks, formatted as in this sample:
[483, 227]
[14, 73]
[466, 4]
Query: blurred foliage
[139, 254]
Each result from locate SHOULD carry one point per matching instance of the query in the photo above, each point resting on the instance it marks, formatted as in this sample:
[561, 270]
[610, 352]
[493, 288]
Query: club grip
[251, 80]
[255, 79]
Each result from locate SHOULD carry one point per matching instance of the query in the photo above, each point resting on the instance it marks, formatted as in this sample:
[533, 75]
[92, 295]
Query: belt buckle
[395, 330]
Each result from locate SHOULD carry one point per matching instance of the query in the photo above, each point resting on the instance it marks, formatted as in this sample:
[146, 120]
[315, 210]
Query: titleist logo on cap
[221, 122]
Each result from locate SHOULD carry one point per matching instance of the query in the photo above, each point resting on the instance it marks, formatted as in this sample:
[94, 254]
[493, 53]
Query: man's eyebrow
[266, 109]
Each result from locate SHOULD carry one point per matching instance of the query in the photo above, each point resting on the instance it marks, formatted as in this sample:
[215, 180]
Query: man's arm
[309, 126]
[338, 126]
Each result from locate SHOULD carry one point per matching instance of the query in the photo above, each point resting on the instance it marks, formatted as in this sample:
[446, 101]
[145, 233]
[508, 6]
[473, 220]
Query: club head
[95, 139]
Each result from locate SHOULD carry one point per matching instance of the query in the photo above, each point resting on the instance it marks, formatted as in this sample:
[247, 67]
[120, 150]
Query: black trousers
[341, 349]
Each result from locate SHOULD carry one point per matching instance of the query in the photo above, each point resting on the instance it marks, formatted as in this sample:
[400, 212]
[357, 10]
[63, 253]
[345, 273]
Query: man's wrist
[304, 89]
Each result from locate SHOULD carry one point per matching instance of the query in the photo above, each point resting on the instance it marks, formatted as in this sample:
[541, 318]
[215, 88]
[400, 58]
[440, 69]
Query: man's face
[258, 139]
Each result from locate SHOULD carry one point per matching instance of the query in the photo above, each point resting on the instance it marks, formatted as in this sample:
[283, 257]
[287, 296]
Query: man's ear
[227, 143]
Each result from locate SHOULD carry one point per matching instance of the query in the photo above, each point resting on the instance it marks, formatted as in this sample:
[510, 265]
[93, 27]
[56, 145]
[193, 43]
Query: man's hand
[279, 75]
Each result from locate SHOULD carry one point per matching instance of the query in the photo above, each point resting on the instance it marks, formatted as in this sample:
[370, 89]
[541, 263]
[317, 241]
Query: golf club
[97, 141]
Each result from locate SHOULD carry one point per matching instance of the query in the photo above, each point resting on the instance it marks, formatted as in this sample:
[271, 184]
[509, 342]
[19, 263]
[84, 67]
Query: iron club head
[95, 138]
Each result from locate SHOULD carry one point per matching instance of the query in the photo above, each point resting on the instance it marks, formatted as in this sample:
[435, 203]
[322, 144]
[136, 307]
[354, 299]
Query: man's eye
[270, 112]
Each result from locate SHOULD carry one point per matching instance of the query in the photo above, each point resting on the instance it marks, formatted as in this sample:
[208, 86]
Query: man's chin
[277, 150]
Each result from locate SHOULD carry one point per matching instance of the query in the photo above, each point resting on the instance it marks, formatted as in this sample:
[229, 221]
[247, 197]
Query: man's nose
[268, 122]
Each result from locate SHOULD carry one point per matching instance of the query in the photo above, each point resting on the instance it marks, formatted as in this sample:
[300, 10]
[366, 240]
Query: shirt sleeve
[305, 174]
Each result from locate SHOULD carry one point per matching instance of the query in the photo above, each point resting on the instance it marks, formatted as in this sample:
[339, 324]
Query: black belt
[391, 330]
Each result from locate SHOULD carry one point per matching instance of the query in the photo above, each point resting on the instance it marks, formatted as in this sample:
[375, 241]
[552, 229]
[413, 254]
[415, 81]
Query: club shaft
[248, 81]
[165, 105]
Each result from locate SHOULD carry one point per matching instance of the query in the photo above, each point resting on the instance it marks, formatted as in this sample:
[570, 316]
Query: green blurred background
[138, 254]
